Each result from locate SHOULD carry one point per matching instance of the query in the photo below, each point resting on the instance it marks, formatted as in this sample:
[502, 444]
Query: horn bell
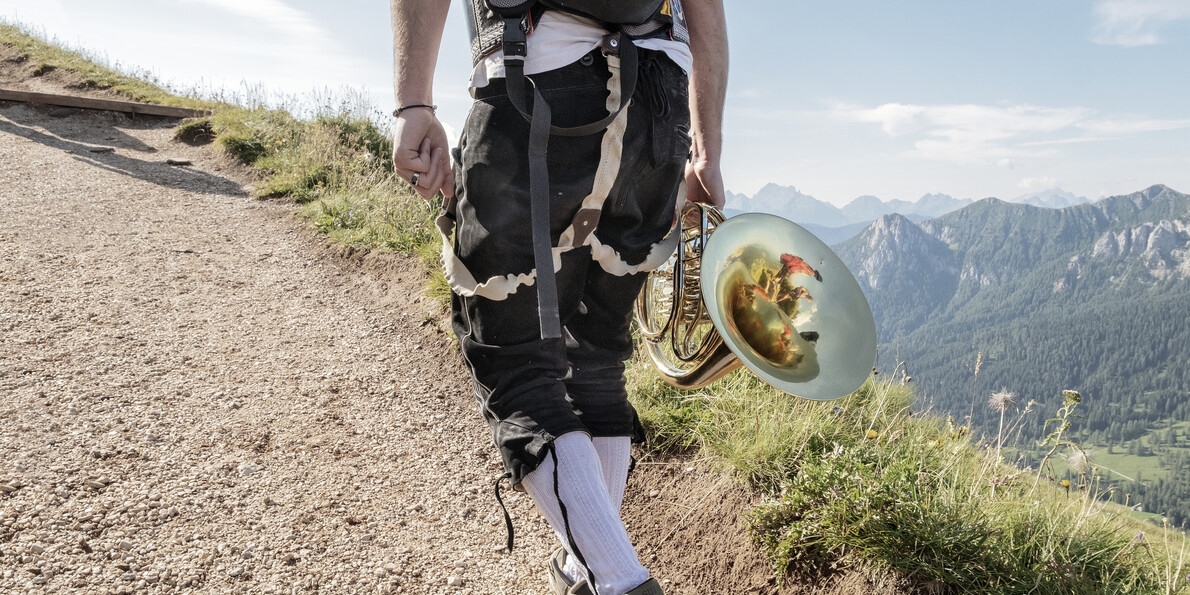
[760, 291]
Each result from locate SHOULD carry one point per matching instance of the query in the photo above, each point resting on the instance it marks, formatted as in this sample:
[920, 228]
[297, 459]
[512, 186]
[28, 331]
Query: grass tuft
[197, 131]
[866, 483]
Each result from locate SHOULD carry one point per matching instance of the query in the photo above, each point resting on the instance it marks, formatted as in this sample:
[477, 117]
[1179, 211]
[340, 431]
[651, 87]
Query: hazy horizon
[840, 101]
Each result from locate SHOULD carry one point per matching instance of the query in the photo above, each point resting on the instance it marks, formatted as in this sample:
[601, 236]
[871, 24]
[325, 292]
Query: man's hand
[421, 151]
[708, 89]
[704, 182]
[420, 148]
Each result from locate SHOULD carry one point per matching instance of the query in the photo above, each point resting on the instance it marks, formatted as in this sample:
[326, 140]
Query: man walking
[568, 175]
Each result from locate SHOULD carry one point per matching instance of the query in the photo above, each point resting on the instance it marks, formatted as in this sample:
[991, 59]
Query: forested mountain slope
[1094, 297]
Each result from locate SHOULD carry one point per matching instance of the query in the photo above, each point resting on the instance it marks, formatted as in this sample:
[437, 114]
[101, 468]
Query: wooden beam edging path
[131, 107]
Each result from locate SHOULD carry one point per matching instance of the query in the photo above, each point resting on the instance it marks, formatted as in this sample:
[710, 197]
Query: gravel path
[195, 396]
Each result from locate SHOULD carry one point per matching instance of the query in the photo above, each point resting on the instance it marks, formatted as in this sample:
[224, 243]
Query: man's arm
[708, 89]
[420, 145]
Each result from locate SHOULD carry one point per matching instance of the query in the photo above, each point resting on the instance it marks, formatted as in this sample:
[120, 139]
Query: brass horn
[760, 291]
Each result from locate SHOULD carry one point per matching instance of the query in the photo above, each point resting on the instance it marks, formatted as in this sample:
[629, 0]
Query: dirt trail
[256, 413]
[198, 395]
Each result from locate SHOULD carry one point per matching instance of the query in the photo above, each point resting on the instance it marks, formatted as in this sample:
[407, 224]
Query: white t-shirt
[561, 38]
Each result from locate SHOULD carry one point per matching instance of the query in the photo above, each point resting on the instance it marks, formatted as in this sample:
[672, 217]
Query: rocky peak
[893, 245]
[894, 229]
[1161, 248]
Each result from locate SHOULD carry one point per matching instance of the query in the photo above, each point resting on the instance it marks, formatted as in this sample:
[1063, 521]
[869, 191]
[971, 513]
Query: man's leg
[570, 492]
[518, 377]
[524, 384]
[615, 456]
[599, 340]
[637, 214]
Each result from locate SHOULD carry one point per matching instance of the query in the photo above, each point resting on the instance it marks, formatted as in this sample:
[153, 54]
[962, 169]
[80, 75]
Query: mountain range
[1008, 296]
[834, 224]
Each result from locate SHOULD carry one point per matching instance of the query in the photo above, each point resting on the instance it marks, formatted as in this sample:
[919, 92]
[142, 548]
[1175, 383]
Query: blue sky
[839, 99]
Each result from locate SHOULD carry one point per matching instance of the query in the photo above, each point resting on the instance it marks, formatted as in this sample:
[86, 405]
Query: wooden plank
[131, 107]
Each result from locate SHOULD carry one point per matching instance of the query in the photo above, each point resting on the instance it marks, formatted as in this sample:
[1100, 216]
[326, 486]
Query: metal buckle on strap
[610, 45]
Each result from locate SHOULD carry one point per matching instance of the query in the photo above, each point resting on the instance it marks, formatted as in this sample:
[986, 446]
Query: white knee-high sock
[593, 523]
[615, 454]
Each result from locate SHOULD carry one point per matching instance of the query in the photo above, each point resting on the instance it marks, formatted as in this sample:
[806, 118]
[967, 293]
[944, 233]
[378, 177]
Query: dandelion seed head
[1078, 461]
[1003, 401]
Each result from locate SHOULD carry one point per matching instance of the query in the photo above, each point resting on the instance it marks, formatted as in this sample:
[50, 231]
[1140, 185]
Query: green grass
[863, 483]
[1130, 466]
[1146, 466]
[47, 56]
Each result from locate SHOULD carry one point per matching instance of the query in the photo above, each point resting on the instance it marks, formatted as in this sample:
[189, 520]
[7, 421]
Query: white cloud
[996, 134]
[894, 118]
[965, 122]
[273, 14]
[1038, 184]
[1133, 23]
[1132, 125]
[967, 133]
[1065, 141]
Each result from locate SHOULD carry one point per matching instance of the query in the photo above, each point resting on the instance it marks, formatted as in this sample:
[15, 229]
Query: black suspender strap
[539, 202]
[539, 180]
[540, 129]
[514, 72]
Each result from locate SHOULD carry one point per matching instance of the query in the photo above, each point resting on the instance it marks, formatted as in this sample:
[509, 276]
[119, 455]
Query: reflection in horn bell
[764, 326]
